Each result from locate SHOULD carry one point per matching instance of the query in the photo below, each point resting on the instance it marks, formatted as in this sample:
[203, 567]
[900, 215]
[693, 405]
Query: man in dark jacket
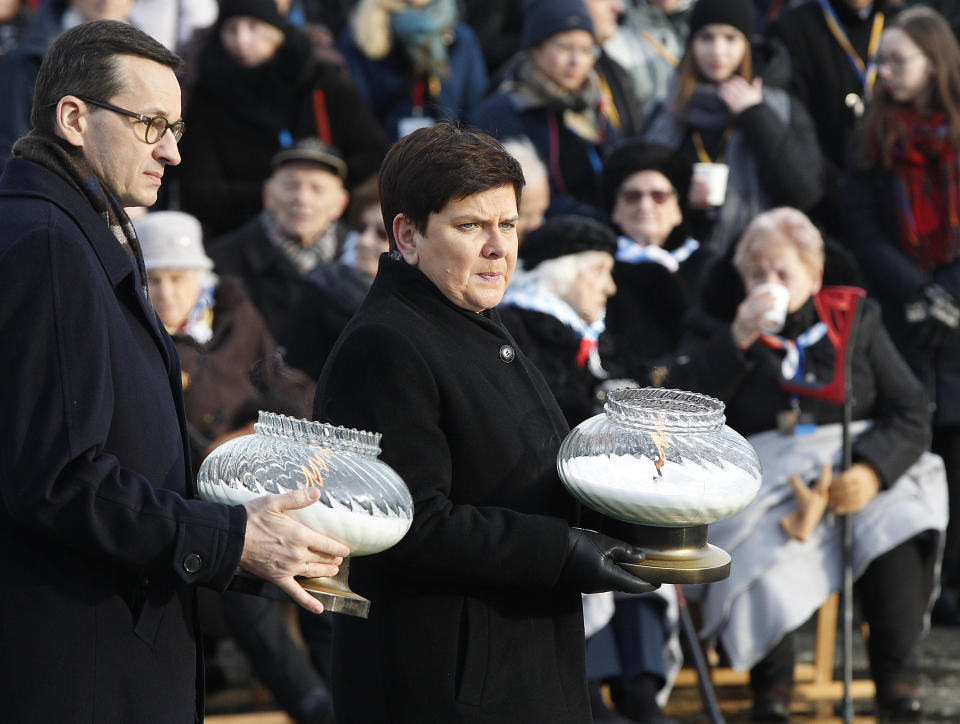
[104, 540]
[297, 231]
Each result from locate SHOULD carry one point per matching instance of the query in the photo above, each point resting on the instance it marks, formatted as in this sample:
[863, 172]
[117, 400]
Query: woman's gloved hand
[591, 565]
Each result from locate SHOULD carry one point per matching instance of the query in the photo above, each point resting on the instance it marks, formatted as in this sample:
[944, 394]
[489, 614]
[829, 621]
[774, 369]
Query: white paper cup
[773, 320]
[715, 175]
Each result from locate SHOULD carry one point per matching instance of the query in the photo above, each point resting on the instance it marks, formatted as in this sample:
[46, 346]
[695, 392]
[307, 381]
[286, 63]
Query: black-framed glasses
[658, 196]
[156, 126]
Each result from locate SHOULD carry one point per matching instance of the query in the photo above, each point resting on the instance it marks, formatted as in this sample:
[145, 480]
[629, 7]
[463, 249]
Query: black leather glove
[591, 564]
[933, 315]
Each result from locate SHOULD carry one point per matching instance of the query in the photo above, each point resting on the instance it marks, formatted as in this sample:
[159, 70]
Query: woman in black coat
[248, 104]
[745, 362]
[476, 613]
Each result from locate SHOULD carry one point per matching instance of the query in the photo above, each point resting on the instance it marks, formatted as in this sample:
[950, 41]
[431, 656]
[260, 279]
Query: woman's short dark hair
[82, 62]
[427, 169]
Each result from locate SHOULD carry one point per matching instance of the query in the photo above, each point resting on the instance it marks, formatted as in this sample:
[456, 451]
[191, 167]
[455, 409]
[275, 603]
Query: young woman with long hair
[903, 199]
[718, 111]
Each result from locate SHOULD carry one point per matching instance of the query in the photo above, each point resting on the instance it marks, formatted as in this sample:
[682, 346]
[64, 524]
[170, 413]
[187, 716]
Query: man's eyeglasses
[156, 126]
[658, 196]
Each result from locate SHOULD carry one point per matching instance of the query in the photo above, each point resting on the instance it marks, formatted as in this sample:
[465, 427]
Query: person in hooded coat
[258, 91]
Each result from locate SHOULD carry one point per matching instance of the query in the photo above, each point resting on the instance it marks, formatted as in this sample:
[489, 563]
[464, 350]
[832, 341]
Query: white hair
[522, 149]
[558, 275]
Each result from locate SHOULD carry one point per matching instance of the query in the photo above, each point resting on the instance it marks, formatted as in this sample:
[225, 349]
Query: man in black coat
[104, 540]
[298, 230]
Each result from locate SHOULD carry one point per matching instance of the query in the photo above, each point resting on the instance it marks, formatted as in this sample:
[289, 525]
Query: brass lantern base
[332, 591]
[677, 555]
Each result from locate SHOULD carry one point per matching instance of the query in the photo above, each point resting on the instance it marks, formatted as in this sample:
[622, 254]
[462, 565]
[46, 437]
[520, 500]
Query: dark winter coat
[271, 279]
[18, 76]
[102, 540]
[238, 118]
[330, 296]
[387, 84]
[822, 77]
[748, 383]
[552, 346]
[466, 623]
[575, 185]
[227, 379]
[871, 218]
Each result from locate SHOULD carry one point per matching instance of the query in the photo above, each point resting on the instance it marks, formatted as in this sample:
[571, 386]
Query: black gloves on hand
[934, 315]
[591, 564]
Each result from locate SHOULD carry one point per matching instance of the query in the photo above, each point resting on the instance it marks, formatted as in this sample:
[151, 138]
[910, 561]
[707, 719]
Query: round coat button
[192, 563]
[507, 354]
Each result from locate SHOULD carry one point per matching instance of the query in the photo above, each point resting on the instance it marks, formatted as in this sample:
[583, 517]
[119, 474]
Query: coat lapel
[31, 179]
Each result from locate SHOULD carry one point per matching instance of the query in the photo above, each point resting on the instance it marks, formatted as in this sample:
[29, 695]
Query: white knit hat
[171, 240]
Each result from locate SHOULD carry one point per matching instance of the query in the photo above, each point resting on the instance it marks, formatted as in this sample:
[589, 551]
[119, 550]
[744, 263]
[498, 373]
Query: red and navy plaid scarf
[924, 161]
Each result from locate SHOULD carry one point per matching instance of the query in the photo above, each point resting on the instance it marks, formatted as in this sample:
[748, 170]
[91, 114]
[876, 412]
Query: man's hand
[854, 488]
[276, 547]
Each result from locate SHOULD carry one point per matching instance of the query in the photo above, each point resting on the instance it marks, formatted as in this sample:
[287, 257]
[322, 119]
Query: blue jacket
[388, 84]
[102, 539]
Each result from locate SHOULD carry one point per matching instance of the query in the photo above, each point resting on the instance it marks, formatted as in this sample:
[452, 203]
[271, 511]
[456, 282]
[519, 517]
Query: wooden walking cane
[839, 309]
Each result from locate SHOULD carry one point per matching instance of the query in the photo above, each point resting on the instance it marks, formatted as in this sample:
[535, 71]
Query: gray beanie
[171, 240]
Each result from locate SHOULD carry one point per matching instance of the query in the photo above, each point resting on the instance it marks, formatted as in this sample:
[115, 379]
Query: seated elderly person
[786, 562]
[230, 370]
[555, 305]
[536, 188]
[298, 229]
[658, 265]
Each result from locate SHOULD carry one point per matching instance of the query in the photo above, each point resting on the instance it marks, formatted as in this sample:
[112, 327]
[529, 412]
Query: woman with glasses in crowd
[754, 146]
[551, 93]
[904, 226]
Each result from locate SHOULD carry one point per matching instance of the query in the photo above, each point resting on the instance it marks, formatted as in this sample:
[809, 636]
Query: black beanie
[637, 155]
[738, 13]
[563, 235]
[265, 10]
[542, 19]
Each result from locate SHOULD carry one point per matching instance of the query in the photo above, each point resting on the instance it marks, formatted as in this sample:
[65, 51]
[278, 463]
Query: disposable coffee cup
[772, 321]
[715, 176]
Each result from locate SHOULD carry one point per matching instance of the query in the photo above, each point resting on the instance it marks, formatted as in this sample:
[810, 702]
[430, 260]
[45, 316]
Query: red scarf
[924, 161]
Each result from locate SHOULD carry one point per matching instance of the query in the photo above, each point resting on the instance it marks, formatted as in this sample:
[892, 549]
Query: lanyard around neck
[866, 71]
[702, 151]
[659, 48]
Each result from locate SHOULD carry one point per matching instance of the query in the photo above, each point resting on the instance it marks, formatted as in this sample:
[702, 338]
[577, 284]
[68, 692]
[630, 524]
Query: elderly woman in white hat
[230, 365]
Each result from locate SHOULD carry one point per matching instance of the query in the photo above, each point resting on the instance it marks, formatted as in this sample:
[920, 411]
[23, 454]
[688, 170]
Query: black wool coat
[102, 540]
[238, 118]
[270, 278]
[467, 623]
[553, 348]
[894, 279]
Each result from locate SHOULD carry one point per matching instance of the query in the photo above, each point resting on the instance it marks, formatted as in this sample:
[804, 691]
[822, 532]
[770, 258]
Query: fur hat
[542, 19]
[563, 235]
[738, 13]
[171, 240]
[637, 155]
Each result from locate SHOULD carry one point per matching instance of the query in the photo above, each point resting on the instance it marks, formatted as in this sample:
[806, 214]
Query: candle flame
[662, 441]
[314, 468]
